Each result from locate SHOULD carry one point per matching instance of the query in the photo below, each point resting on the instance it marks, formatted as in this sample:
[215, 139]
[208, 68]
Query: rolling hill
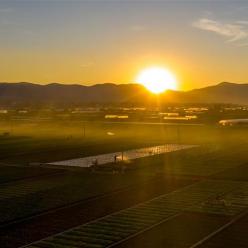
[54, 94]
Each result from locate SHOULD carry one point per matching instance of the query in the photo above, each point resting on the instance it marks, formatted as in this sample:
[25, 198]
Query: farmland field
[112, 229]
[206, 182]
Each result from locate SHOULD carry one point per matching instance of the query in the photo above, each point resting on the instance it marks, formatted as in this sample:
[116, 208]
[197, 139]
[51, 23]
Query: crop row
[118, 226]
[14, 173]
[232, 203]
[27, 187]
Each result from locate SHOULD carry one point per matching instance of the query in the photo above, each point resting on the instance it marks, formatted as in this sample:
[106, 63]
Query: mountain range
[16, 94]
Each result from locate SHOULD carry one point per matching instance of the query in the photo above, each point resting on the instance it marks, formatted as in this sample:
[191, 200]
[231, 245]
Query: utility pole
[84, 130]
[178, 135]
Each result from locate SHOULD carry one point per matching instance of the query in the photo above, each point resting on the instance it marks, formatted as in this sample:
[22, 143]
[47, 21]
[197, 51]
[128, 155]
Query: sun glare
[157, 80]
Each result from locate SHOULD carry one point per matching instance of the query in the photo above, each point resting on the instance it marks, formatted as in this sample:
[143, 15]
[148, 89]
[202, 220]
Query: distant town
[206, 114]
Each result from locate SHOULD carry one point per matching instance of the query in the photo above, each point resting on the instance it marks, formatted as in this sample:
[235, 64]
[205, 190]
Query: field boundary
[89, 199]
[144, 230]
[217, 231]
[105, 216]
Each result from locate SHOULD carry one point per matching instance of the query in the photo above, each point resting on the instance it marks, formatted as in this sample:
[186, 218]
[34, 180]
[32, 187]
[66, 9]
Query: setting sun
[157, 80]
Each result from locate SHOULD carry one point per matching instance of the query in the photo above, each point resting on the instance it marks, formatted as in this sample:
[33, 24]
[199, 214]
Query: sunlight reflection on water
[122, 156]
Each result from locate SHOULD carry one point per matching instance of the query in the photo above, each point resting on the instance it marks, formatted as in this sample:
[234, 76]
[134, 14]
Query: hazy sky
[202, 42]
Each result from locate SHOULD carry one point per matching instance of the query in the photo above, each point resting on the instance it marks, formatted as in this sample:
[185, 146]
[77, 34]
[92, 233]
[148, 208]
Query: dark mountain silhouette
[31, 94]
[221, 93]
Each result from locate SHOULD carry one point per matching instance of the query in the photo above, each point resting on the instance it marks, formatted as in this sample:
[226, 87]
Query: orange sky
[89, 43]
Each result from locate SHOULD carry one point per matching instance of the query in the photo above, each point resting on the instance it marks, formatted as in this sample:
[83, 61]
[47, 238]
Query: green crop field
[113, 228]
[49, 191]
[30, 188]
[46, 142]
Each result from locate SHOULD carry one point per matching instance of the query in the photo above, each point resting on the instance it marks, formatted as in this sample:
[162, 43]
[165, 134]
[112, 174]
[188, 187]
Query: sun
[157, 80]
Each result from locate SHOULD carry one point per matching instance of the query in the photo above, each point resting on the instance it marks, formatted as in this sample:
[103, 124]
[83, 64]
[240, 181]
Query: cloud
[242, 22]
[234, 32]
[243, 45]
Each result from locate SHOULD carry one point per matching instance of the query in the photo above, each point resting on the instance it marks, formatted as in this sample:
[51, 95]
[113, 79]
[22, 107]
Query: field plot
[222, 164]
[23, 198]
[125, 155]
[182, 231]
[234, 235]
[119, 226]
[238, 173]
[23, 188]
[50, 223]
[17, 173]
[231, 201]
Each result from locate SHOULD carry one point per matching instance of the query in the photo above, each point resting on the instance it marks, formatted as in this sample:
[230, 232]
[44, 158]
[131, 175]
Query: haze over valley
[123, 124]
